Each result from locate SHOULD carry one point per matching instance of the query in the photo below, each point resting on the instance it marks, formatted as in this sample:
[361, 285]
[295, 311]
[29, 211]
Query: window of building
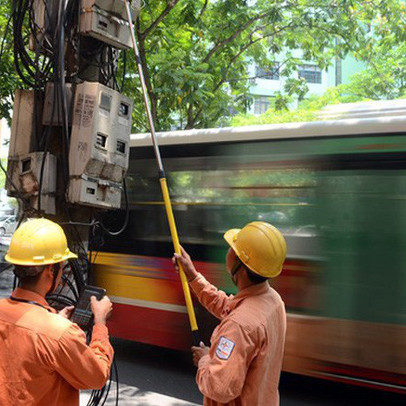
[261, 104]
[272, 74]
[311, 73]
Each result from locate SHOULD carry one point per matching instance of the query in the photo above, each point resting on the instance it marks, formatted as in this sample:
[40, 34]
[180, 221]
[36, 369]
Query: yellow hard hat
[38, 242]
[260, 246]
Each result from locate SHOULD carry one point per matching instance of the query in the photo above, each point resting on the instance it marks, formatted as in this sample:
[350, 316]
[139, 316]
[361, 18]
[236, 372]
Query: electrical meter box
[32, 174]
[105, 27]
[100, 145]
[116, 7]
[22, 125]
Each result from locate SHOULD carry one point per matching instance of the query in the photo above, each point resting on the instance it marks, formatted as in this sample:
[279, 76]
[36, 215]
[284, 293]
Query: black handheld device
[82, 313]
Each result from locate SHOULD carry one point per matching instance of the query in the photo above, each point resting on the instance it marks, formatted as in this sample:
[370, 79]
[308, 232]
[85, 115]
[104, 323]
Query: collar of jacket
[252, 290]
[25, 294]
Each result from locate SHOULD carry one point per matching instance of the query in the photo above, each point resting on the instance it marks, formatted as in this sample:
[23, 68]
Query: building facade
[266, 83]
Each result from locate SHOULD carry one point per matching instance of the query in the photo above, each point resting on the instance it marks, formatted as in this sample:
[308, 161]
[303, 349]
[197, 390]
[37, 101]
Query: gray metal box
[105, 27]
[116, 7]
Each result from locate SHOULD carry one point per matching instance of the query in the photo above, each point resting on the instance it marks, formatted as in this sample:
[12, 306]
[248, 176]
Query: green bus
[336, 188]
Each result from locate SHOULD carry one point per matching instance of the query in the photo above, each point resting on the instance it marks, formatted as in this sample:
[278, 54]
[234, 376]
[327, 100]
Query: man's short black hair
[29, 275]
[253, 277]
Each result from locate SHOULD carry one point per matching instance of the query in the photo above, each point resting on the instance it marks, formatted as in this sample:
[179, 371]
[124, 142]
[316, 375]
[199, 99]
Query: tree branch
[199, 17]
[236, 56]
[170, 5]
[235, 35]
[206, 2]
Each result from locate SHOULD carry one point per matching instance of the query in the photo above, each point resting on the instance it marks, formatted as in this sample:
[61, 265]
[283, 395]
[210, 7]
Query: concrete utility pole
[69, 144]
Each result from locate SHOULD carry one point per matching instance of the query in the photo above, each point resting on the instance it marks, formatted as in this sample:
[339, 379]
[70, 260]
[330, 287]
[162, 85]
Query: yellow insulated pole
[164, 186]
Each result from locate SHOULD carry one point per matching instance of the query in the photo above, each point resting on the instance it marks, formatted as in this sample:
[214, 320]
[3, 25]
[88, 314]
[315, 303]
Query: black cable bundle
[99, 397]
[34, 68]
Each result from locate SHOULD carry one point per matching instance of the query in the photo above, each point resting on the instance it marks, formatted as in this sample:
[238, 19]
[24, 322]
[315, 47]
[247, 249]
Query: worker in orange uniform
[242, 366]
[44, 358]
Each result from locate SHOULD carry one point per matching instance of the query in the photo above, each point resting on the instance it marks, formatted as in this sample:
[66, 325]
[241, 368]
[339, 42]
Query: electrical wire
[59, 80]
[73, 288]
[99, 397]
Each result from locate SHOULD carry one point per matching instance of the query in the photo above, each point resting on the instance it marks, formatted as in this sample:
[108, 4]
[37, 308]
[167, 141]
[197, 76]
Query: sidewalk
[132, 396]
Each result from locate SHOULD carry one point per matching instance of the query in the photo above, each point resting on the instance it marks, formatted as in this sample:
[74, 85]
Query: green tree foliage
[196, 52]
[384, 51]
[308, 109]
[9, 80]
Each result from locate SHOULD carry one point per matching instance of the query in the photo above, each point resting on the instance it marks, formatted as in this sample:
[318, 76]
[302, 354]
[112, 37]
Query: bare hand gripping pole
[164, 186]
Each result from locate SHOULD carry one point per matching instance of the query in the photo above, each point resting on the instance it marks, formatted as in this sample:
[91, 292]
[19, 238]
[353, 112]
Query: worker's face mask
[230, 260]
[233, 265]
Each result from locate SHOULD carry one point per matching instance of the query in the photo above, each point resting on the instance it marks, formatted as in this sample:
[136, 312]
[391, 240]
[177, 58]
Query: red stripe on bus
[347, 372]
[150, 326]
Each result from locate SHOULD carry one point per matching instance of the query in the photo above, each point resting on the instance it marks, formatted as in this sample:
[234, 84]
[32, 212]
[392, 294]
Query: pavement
[4, 244]
[6, 283]
[132, 396]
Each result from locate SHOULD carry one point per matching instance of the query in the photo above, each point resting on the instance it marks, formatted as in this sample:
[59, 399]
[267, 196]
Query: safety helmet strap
[236, 267]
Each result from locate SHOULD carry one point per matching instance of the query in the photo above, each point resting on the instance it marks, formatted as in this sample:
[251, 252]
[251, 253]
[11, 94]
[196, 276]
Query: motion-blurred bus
[336, 188]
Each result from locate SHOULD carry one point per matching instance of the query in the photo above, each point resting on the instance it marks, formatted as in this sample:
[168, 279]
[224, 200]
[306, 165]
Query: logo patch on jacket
[224, 348]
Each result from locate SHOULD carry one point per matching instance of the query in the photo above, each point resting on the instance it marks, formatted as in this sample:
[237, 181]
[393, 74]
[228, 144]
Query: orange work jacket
[44, 358]
[245, 357]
